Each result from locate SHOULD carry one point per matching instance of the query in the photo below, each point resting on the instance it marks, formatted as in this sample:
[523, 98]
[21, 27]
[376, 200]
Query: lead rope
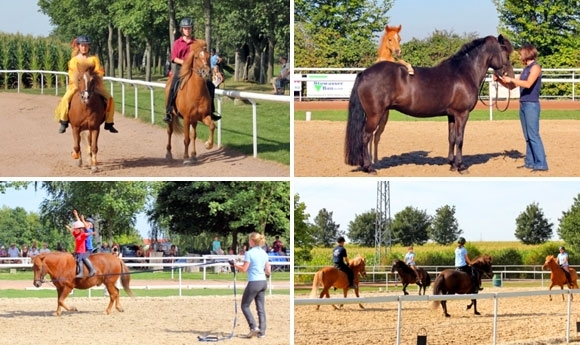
[213, 338]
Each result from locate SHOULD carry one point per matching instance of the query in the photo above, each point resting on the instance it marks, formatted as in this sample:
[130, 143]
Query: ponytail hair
[75, 47]
[258, 238]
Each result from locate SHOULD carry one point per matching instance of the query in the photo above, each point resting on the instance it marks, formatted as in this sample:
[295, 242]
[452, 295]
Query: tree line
[190, 214]
[139, 33]
[415, 226]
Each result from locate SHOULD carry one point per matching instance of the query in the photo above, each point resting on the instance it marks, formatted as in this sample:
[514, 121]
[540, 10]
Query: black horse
[408, 276]
[452, 281]
[450, 88]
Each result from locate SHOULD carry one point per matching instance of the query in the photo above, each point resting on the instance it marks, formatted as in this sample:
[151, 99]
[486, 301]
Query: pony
[408, 276]
[328, 277]
[389, 47]
[61, 267]
[448, 89]
[453, 281]
[86, 112]
[558, 277]
[193, 101]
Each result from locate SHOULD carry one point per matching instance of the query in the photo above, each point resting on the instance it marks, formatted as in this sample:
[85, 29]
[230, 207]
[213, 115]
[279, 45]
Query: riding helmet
[91, 220]
[461, 240]
[562, 248]
[340, 240]
[82, 39]
[78, 225]
[186, 22]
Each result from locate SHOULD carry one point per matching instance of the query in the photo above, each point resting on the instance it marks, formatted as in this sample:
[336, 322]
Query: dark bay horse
[558, 277]
[86, 112]
[408, 276]
[448, 89]
[193, 101]
[452, 281]
[61, 267]
[328, 277]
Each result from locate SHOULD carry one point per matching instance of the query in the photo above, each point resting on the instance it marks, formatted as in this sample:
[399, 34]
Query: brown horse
[452, 281]
[193, 101]
[62, 270]
[389, 47]
[328, 277]
[558, 277]
[408, 276]
[87, 112]
[448, 89]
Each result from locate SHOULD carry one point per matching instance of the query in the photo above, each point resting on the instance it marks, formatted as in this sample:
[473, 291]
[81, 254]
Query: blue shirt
[213, 61]
[562, 259]
[89, 241]
[460, 253]
[215, 245]
[410, 259]
[257, 258]
[531, 94]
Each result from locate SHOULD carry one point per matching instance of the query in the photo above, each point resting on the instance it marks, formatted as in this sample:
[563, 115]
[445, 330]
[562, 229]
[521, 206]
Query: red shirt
[180, 49]
[80, 240]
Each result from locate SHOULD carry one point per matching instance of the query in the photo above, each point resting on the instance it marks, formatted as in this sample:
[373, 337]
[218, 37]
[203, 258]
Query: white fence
[250, 96]
[400, 300]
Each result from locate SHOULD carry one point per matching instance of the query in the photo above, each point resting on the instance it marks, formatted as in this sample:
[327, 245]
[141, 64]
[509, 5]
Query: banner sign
[329, 85]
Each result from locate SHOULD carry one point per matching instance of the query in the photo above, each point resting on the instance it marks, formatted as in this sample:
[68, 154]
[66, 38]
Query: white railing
[250, 96]
[401, 299]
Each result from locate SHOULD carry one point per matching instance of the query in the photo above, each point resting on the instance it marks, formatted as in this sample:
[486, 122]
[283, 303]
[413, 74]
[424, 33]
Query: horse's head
[484, 265]
[549, 259]
[86, 81]
[197, 60]
[39, 269]
[396, 265]
[390, 44]
[500, 61]
[358, 265]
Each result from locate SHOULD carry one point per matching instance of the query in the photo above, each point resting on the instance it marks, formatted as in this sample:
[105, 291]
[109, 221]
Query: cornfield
[19, 52]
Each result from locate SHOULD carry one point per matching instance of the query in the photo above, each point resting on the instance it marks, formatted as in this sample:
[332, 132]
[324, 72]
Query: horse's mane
[483, 259]
[357, 261]
[466, 49]
[82, 67]
[187, 67]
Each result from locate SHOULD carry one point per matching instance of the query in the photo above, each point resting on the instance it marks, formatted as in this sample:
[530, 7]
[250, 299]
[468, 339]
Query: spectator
[172, 251]
[243, 250]
[216, 247]
[258, 268]
[24, 251]
[3, 252]
[105, 248]
[115, 250]
[13, 252]
[278, 246]
[217, 74]
[44, 248]
[59, 247]
[283, 78]
[33, 250]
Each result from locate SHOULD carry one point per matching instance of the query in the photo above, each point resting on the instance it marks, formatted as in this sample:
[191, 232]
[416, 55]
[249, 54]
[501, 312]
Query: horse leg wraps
[89, 265]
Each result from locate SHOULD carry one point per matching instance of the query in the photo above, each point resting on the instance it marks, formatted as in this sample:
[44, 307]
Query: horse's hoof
[169, 156]
[447, 315]
[208, 145]
[464, 172]
[94, 169]
[476, 313]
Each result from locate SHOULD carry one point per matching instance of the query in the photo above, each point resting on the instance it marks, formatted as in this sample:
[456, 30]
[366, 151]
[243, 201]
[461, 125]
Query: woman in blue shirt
[462, 263]
[563, 262]
[258, 268]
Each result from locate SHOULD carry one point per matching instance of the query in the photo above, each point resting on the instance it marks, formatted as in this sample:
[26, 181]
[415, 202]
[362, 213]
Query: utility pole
[382, 221]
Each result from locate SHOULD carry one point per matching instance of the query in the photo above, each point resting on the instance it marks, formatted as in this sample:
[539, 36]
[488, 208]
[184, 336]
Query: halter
[42, 274]
[496, 86]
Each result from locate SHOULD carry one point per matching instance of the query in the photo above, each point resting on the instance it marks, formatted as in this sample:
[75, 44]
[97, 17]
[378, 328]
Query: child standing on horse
[410, 261]
[462, 263]
[564, 264]
[340, 260]
[178, 55]
[80, 54]
[81, 255]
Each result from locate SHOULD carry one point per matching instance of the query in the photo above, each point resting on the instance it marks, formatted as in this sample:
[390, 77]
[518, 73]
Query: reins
[497, 99]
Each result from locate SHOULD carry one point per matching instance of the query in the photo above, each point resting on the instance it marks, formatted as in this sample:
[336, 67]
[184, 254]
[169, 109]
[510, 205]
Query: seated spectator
[105, 248]
[24, 251]
[33, 250]
[13, 252]
[44, 248]
[277, 246]
[3, 252]
[59, 247]
[216, 247]
[283, 78]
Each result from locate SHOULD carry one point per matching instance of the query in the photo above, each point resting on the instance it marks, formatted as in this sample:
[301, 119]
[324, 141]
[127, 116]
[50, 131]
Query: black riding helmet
[340, 240]
[461, 240]
[186, 22]
[82, 39]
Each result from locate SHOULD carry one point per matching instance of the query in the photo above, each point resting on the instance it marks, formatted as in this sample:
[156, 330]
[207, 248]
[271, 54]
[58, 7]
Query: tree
[362, 229]
[411, 226]
[444, 229]
[222, 208]
[325, 230]
[435, 48]
[532, 227]
[570, 224]
[303, 239]
[338, 33]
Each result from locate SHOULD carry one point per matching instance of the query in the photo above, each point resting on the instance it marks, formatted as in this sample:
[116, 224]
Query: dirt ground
[32, 147]
[409, 149]
[522, 320]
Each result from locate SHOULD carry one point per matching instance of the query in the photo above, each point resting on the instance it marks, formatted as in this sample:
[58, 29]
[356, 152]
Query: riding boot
[89, 265]
[63, 126]
[110, 128]
[211, 88]
[80, 270]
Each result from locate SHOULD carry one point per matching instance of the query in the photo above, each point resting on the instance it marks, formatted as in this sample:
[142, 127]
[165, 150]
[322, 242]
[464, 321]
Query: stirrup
[63, 126]
[215, 116]
[167, 118]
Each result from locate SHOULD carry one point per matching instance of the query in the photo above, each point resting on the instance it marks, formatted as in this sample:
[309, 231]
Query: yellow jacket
[92, 60]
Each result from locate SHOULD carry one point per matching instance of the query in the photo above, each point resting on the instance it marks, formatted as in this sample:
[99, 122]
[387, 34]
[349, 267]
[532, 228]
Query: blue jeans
[255, 291]
[530, 119]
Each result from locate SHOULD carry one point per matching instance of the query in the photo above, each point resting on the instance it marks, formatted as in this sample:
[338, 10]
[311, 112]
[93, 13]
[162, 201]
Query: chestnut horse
[452, 281]
[558, 277]
[389, 48]
[328, 277]
[61, 267]
[448, 89]
[193, 101]
[87, 112]
[408, 276]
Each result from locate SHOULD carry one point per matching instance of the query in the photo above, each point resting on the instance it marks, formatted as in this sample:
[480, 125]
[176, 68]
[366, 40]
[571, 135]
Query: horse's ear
[399, 28]
[500, 39]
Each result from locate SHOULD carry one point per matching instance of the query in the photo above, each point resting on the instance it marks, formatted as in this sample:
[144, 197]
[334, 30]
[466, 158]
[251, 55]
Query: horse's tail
[126, 279]
[353, 147]
[437, 289]
[427, 279]
[316, 282]
[176, 123]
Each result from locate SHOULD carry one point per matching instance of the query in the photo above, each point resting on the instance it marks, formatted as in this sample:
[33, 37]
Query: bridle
[89, 88]
[202, 69]
[496, 85]
[41, 275]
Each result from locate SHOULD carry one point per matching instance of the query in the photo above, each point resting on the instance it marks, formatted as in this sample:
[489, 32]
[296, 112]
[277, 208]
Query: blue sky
[418, 17]
[486, 209]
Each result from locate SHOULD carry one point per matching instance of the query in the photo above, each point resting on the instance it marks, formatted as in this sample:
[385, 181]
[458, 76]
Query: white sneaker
[253, 333]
